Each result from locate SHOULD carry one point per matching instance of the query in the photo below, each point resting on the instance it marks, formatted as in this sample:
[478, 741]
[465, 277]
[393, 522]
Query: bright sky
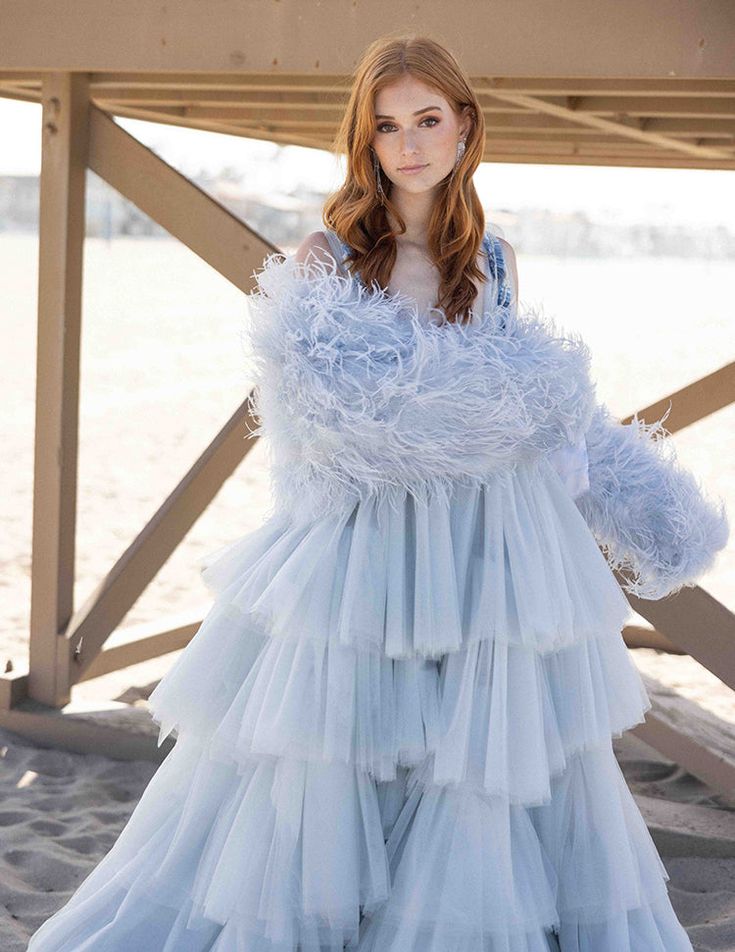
[660, 196]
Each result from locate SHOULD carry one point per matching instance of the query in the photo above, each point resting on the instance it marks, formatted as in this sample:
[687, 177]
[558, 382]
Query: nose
[408, 144]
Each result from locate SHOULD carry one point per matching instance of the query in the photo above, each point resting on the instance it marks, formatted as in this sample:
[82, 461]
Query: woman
[394, 726]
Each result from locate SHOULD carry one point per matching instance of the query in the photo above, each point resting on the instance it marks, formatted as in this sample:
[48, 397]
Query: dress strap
[340, 249]
[498, 268]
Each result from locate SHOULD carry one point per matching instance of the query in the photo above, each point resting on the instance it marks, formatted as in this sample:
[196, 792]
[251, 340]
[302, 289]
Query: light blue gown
[394, 735]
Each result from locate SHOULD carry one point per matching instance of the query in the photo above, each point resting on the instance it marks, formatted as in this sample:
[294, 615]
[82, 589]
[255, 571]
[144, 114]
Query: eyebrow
[417, 113]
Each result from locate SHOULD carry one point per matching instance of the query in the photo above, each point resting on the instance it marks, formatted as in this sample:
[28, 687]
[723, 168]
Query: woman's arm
[647, 511]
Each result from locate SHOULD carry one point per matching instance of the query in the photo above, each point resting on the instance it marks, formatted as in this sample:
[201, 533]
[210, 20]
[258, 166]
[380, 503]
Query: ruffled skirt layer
[282, 854]
[510, 560]
[471, 873]
[394, 735]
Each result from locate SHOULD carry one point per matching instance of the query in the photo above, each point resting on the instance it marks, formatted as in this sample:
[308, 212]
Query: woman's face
[415, 125]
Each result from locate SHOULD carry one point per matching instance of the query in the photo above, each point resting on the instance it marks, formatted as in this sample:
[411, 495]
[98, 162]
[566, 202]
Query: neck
[415, 209]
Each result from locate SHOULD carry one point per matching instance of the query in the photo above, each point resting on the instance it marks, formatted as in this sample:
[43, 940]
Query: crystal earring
[460, 152]
[379, 184]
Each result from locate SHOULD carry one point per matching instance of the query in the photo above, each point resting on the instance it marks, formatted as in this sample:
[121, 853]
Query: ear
[465, 124]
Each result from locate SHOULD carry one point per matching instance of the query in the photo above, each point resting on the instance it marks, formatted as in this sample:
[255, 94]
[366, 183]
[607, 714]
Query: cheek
[381, 147]
[447, 139]
[383, 144]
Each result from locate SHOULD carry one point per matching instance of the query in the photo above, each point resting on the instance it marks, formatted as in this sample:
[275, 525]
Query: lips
[411, 168]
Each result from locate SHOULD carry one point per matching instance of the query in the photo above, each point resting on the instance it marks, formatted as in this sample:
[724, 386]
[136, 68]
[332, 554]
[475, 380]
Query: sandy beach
[161, 373]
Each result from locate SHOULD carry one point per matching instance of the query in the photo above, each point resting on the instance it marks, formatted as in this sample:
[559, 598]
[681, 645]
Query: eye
[432, 119]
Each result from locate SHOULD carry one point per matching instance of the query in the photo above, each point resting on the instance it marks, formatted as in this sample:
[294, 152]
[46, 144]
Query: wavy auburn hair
[355, 211]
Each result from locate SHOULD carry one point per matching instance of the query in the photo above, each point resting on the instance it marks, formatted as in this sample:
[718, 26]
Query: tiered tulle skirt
[394, 734]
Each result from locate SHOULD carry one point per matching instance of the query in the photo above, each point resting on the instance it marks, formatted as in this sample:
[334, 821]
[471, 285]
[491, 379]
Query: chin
[418, 184]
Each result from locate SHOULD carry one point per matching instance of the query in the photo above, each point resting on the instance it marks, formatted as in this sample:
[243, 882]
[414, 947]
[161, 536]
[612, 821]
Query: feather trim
[646, 510]
[360, 394]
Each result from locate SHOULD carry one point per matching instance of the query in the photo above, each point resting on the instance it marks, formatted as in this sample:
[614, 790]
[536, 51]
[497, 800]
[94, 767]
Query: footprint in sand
[12, 817]
[47, 827]
[44, 871]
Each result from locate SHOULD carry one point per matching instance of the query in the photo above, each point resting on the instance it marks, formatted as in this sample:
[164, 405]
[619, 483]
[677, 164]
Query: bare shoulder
[317, 243]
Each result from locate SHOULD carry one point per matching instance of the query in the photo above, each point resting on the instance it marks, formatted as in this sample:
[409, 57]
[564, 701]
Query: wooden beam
[176, 116]
[110, 729]
[687, 829]
[265, 100]
[136, 643]
[587, 112]
[186, 211]
[637, 636]
[665, 106]
[698, 623]
[285, 81]
[514, 153]
[690, 736]
[693, 402]
[13, 687]
[61, 244]
[123, 584]
[125, 647]
[575, 39]
[499, 149]
[20, 93]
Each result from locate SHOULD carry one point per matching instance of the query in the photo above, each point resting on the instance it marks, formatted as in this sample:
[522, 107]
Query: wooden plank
[110, 729]
[696, 622]
[136, 643]
[514, 153]
[587, 111]
[637, 636]
[698, 123]
[124, 647]
[20, 94]
[186, 211]
[13, 687]
[697, 400]
[644, 107]
[688, 829]
[61, 244]
[137, 566]
[685, 733]
[499, 148]
[284, 81]
[536, 39]
[176, 116]
[332, 102]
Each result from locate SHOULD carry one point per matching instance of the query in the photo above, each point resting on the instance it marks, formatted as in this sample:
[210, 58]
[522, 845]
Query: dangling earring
[460, 152]
[379, 184]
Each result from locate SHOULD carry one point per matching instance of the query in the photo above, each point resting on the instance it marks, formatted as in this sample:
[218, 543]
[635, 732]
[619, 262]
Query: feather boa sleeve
[645, 509]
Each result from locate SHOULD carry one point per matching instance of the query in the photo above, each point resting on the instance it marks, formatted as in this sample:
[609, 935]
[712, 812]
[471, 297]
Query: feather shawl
[359, 394]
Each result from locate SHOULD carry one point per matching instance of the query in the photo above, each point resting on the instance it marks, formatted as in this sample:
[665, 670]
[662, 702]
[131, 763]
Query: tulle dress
[394, 734]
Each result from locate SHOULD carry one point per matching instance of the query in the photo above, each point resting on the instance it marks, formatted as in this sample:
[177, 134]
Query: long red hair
[355, 211]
